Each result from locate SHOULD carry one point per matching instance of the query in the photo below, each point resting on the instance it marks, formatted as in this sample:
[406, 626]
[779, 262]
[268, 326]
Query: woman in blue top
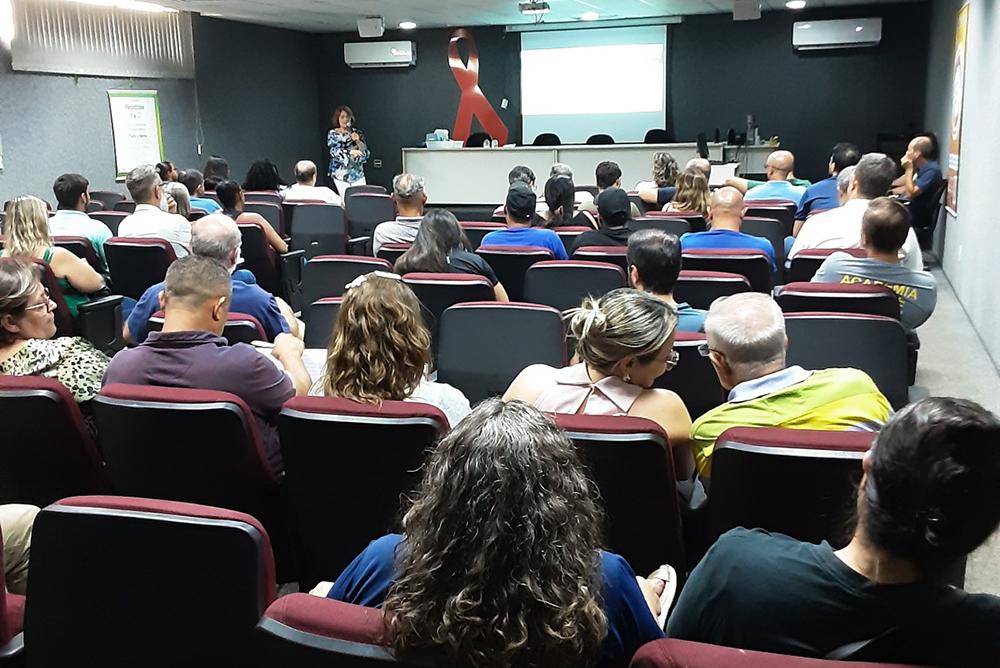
[500, 562]
[348, 150]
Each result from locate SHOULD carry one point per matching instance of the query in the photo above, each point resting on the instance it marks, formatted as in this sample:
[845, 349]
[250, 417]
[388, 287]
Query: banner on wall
[957, 102]
[135, 126]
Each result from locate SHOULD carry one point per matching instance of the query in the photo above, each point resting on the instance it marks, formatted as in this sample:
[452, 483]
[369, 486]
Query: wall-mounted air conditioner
[380, 54]
[840, 34]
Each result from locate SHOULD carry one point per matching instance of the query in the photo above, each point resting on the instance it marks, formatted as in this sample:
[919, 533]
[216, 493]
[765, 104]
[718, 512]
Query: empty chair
[110, 218]
[837, 298]
[475, 231]
[107, 197]
[694, 378]
[629, 459]
[752, 264]
[563, 284]
[47, 450]
[600, 139]
[80, 247]
[874, 344]
[126, 206]
[328, 275]
[807, 262]
[673, 653]
[569, 234]
[771, 229]
[319, 229]
[347, 467]
[799, 482]
[617, 255]
[547, 139]
[483, 346]
[273, 213]
[137, 263]
[510, 263]
[319, 319]
[783, 212]
[176, 583]
[656, 136]
[391, 252]
[675, 225]
[476, 140]
[268, 196]
[437, 292]
[701, 288]
[366, 211]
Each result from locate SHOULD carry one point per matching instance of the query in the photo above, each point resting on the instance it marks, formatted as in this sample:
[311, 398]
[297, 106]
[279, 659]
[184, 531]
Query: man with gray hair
[408, 193]
[151, 218]
[217, 237]
[746, 345]
[841, 227]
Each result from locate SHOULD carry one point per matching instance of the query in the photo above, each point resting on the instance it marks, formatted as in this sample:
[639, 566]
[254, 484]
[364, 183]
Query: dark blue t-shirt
[727, 240]
[367, 579]
[528, 236]
[929, 180]
[820, 196]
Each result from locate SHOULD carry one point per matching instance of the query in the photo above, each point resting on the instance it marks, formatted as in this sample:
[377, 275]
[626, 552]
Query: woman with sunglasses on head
[27, 326]
[625, 341]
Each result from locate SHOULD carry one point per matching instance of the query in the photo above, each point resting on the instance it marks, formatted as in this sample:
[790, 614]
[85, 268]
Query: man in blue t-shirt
[921, 180]
[823, 195]
[216, 236]
[520, 211]
[724, 221]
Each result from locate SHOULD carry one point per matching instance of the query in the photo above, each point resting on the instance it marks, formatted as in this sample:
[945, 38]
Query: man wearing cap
[613, 212]
[408, 193]
[520, 211]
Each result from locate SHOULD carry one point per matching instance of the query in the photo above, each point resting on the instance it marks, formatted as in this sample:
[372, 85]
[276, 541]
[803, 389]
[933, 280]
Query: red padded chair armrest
[330, 618]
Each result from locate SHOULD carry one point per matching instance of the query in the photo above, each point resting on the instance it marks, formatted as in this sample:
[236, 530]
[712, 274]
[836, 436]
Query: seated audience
[560, 201]
[191, 353]
[746, 345]
[841, 227]
[26, 235]
[232, 197]
[519, 211]
[26, 330]
[408, 193]
[524, 175]
[823, 195]
[16, 520]
[843, 182]
[149, 219]
[625, 341]
[928, 497]
[195, 184]
[654, 263]
[665, 173]
[178, 199]
[780, 166]
[724, 221]
[380, 349]
[692, 194]
[442, 248]
[71, 219]
[607, 175]
[883, 232]
[305, 189]
[486, 575]
[613, 217]
[216, 170]
[216, 237]
[921, 181]
[263, 176]
[167, 171]
[561, 169]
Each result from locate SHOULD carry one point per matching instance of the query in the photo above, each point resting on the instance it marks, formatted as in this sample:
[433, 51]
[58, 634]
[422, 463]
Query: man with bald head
[724, 221]
[921, 180]
[780, 166]
[217, 237]
[305, 189]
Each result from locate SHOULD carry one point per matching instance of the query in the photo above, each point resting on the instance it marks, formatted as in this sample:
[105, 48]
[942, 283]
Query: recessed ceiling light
[859, 29]
[796, 4]
[589, 16]
[407, 25]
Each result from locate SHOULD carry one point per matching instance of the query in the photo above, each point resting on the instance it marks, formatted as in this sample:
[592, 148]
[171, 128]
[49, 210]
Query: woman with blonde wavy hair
[500, 561]
[26, 235]
[693, 194]
[380, 349]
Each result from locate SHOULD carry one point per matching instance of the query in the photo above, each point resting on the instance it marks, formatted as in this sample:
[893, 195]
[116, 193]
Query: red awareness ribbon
[473, 102]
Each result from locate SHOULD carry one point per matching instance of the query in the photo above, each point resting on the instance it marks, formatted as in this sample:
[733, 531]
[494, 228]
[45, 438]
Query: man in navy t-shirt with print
[520, 211]
[724, 221]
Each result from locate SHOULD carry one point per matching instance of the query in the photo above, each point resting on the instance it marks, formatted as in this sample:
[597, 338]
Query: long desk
[479, 175]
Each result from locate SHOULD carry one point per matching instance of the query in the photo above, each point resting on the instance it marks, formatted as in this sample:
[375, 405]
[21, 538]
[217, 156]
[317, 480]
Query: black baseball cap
[521, 201]
[613, 206]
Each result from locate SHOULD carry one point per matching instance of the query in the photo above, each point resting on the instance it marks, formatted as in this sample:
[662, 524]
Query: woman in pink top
[625, 341]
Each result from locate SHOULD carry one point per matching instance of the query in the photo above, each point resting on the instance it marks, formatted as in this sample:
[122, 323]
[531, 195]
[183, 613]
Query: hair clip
[364, 277]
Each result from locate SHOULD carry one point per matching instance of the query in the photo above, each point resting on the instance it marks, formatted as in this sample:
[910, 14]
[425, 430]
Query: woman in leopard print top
[26, 330]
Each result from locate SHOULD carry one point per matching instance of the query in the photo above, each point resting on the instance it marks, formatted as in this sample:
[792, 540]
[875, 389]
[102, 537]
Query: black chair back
[701, 288]
[510, 263]
[137, 263]
[319, 229]
[694, 378]
[563, 284]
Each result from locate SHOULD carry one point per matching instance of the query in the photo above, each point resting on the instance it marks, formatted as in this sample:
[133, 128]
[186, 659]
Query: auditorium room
[499, 333]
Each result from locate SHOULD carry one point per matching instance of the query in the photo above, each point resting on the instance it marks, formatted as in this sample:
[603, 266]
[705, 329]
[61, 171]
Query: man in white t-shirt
[305, 188]
[149, 220]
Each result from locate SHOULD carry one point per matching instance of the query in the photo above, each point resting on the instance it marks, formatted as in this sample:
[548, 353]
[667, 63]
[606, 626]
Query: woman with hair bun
[930, 495]
[625, 341]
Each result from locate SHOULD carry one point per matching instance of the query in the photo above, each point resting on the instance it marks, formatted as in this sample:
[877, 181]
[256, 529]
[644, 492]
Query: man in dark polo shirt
[191, 353]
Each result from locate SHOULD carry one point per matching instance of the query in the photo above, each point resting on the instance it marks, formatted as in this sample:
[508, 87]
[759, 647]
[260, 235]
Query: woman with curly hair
[500, 561]
[380, 349]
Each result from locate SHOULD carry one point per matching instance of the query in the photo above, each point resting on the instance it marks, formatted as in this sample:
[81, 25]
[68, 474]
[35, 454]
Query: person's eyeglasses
[705, 351]
[48, 304]
[672, 361]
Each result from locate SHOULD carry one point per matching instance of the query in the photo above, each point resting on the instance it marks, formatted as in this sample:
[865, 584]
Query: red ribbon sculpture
[473, 102]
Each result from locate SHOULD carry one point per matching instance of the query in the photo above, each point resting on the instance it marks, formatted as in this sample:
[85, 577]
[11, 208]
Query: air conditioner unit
[380, 54]
[839, 34]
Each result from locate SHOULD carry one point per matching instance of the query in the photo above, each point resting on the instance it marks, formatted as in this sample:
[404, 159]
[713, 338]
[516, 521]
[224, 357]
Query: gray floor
[954, 363]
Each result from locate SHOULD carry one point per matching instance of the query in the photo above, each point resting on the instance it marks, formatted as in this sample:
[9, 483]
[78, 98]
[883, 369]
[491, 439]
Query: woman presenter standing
[348, 151]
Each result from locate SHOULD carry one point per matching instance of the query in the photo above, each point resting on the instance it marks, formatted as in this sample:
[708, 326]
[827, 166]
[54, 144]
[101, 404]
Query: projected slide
[582, 82]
